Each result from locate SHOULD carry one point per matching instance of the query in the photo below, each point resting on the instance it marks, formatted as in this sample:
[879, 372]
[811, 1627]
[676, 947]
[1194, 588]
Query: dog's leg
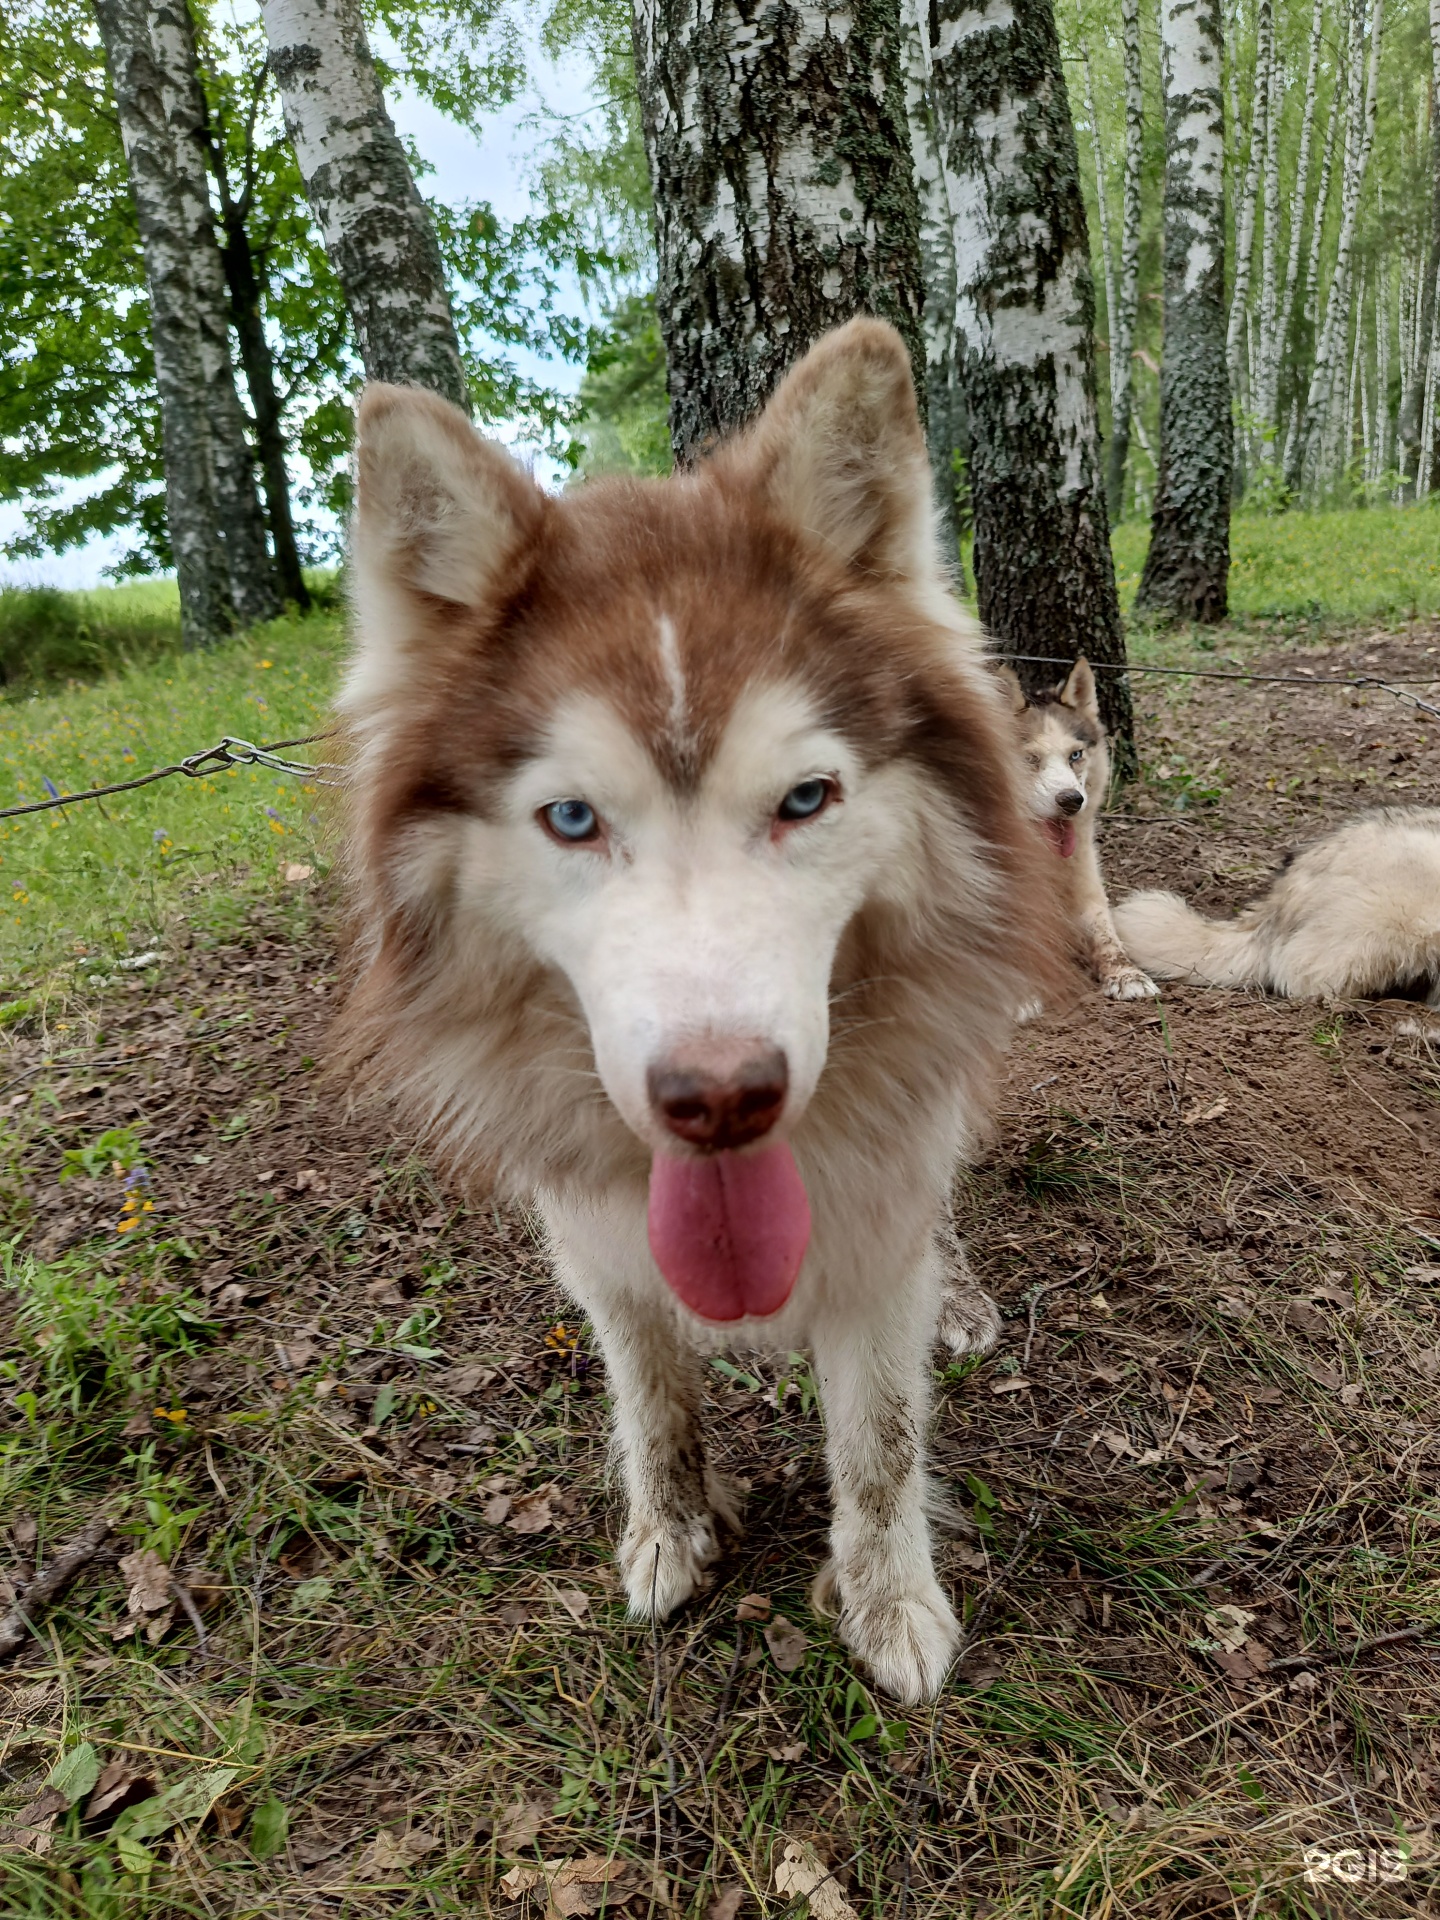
[969, 1319]
[1118, 977]
[874, 1380]
[674, 1503]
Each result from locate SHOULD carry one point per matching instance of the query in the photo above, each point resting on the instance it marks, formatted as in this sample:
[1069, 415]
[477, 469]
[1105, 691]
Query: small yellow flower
[560, 1338]
[176, 1415]
[265, 663]
[124, 1226]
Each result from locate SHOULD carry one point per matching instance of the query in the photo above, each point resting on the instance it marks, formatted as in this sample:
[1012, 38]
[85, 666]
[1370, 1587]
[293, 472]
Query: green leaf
[75, 1773]
[865, 1728]
[384, 1405]
[133, 1857]
[188, 1799]
[269, 1828]
[314, 1593]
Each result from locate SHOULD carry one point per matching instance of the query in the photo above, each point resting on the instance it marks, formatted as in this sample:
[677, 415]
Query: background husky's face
[632, 762]
[1063, 744]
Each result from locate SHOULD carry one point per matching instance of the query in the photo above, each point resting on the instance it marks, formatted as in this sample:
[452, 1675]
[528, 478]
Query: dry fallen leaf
[755, 1606]
[533, 1512]
[25, 1532]
[1198, 1114]
[1114, 1441]
[297, 873]
[787, 1644]
[394, 1852]
[121, 1784]
[148, 1582]
[1352, 1395]
[575, 1603]
[1010, 1383]
[1230, 1625]
[726, 1904]
[496, 1508]
[1244, 1663]
[802, 1872]
[1427, 1363]
[970, 1558]
[517, 1826]
[32, 1827]
[795, 1751]
[1112, 1376]
[466, 1376]
[1304, 1318]
[519, 1881]
[296, 1357]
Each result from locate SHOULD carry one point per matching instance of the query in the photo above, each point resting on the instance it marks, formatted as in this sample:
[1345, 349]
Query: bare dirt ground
[1201, 1570]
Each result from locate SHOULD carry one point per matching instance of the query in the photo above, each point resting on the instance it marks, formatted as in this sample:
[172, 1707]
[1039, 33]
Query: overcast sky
[491, 169]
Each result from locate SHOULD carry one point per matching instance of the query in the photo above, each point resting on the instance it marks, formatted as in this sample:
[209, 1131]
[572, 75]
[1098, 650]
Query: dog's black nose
[715, 1111]
[1070, 801]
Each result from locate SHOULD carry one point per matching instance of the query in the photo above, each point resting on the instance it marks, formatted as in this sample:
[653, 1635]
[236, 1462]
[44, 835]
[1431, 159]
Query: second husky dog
[1067, 757]
[1357, 914]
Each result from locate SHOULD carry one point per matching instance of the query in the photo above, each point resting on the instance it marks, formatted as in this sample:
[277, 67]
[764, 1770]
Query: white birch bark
[374, 225]
[1102, 205]
[1267, 350]
[1381, 462]
[1334, 331]
[1428, 304]
[945, 424]
[784, 191]
[1025, 315]
[1122, 337]
[1245, 216]
[190, 506]
[1187, 566]
[253, 588]
[1269, 407]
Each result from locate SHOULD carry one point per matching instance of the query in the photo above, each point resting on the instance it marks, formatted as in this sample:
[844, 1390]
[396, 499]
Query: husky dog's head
[1065, 752]
[663, 788]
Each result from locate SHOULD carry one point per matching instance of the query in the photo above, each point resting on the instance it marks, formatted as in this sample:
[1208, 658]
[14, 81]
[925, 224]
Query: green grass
[82, 885]
[1354, 565]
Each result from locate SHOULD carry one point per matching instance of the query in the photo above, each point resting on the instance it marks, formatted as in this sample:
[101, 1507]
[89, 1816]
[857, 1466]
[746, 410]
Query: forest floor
[356, 1647]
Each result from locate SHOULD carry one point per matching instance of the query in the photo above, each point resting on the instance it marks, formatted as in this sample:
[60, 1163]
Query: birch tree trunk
[190, 505]
[1335, 331]
[376, 229]
[1025, 306]
[784, 195]
[945, 404]
[1269, 350]
[1270, 399]
[1411, 417]
[1245, 220]
[1122, 337]
[1339, 122]
[253, 588]
[1187, 566]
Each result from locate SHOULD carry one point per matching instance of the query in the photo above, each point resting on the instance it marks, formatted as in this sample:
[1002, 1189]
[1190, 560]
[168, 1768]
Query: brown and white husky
[1067, 761]
[693, 894]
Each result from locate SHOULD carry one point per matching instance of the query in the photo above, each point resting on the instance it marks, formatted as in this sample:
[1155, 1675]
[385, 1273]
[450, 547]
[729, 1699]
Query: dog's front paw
[1129, 983]
[906, 1640]
[969, 1319]
[1028, 1011]
[664, 1562]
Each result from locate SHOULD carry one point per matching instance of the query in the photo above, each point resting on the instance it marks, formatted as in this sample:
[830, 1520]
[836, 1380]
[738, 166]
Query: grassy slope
[1340, 566]
[83, 885]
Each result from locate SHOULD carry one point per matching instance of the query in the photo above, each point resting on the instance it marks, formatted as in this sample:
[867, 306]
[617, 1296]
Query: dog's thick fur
[1067, 761]
[1356, 915]
[679, 654]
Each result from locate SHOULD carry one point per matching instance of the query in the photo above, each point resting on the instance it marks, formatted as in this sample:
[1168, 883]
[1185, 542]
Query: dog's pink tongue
[1061, 835]
[729, 1231]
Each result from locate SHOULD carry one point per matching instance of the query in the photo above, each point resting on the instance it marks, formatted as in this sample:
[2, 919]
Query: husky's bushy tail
[1170, 940]
[1356, 914]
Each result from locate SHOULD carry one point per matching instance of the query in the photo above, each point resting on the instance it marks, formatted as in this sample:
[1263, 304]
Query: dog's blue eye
[805, 801]
[1077, 756]
[572, 820]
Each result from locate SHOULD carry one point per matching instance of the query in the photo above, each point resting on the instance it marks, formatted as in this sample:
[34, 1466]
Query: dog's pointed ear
[441, 517]
[1010, 684]
[839, 453]
[1079, 689]
[442, 511]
